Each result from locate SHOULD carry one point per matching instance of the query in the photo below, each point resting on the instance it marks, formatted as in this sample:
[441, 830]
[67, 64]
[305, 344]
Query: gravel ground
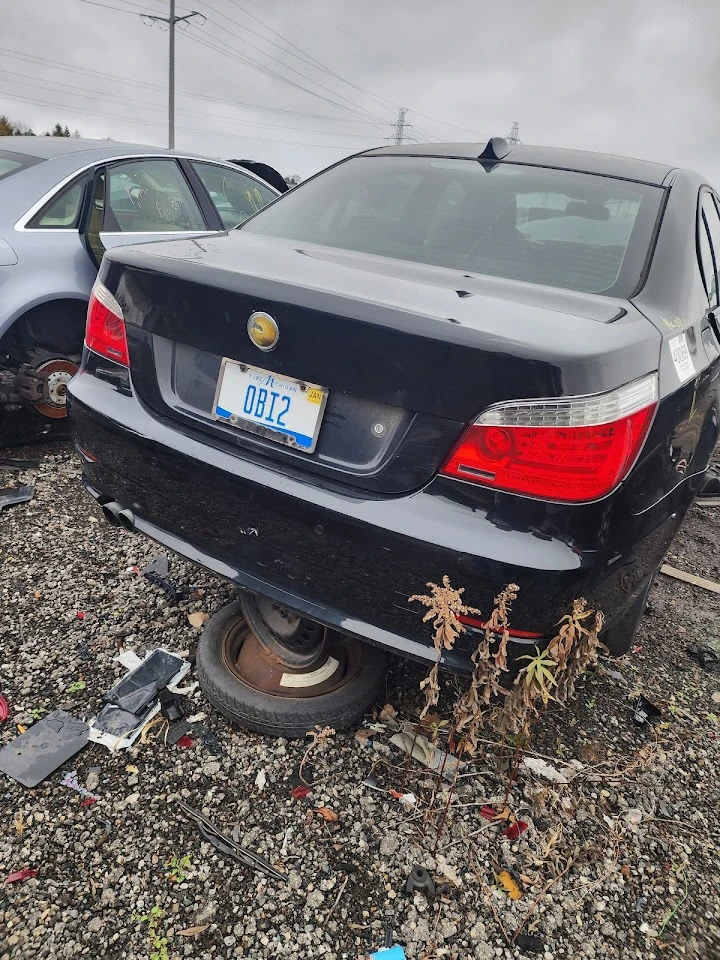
[621, 862]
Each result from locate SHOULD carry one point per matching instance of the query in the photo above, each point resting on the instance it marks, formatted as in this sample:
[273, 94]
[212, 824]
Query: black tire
[281, 716]
[619, 637]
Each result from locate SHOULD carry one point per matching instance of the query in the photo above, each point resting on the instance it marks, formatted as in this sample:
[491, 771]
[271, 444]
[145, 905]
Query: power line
[152, 123]
[37, 82]
[56, 64]
[514, 135]
[241, 58]
[379, 121]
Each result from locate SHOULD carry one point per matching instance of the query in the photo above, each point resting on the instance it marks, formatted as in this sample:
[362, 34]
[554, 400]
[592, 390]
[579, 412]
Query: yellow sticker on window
[315, 396]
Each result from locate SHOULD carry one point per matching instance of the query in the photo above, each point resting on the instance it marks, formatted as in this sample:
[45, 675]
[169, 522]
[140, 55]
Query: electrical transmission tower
[171, 20]
[401, 127]
[514, 135]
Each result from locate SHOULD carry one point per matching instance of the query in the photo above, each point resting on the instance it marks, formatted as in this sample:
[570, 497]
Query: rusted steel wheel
[272, 671]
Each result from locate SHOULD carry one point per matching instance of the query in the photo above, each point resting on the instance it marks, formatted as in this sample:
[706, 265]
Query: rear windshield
[11, 162]
[554, 227]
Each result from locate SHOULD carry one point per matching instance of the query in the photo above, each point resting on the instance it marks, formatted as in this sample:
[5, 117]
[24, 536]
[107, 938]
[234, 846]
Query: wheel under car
[272, 671]
[42, 384]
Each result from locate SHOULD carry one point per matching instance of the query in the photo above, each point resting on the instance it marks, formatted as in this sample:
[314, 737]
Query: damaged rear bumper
[351, 561]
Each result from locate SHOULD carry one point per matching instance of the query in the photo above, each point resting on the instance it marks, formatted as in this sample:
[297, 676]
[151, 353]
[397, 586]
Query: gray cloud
[637, 77]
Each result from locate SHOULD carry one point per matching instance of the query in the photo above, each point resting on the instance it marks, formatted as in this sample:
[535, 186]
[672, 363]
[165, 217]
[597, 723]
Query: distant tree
[58, 131]
[76, 134]
[7, 127]
[23, 130]
[293, 180]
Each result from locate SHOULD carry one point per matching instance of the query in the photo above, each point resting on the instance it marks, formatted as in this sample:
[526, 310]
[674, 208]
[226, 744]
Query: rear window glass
[11, 162]
[553, 227]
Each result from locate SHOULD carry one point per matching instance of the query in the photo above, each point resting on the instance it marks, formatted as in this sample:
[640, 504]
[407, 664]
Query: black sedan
[496, 364]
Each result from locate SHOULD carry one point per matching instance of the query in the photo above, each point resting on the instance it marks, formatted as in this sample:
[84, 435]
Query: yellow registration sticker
[315, 396]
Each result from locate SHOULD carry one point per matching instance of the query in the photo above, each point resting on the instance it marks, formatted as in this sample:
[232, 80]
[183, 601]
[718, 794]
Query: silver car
[63, 202]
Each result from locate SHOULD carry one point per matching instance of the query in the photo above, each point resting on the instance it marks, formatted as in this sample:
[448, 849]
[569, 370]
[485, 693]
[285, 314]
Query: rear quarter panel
[686, 426]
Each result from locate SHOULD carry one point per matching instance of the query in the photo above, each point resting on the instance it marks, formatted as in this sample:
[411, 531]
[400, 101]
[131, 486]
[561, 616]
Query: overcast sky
[635, 77]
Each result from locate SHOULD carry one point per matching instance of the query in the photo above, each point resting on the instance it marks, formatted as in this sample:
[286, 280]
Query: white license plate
[282, 409]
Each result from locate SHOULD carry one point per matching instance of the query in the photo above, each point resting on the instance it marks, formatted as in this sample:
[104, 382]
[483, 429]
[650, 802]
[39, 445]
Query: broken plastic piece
[515, 829]
[133, 701]
[4, 709]
[177, 731]
[644, 711]
[428, 754]
[170, 705]
[20, 875]
[185, 742]
[47, 745]
[421, 881]
[71, 780]
[157, 574]
[487, 812]
[299, 792]
[210, 742]
[390, 953]
[12, 495]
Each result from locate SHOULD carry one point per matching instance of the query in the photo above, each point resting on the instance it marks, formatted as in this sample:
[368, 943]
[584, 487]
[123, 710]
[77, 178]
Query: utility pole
[514, 135]
[171, 21]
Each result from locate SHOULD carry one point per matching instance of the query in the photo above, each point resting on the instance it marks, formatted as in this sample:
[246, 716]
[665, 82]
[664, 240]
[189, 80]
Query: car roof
[45, 148]
[584, 161]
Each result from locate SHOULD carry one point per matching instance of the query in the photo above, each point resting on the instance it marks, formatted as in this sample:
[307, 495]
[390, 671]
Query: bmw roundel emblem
[263, 330]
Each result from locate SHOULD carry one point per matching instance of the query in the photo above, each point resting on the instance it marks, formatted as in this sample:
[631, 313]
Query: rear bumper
[352, 562]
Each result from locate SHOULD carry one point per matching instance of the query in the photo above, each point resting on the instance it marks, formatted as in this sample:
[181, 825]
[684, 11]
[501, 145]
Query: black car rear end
[493, 429]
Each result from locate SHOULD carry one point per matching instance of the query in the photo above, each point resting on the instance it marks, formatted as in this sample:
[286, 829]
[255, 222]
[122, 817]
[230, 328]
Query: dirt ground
[622, 861]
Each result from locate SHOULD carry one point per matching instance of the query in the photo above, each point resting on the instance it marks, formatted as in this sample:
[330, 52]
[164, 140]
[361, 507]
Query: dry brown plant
[444, 605]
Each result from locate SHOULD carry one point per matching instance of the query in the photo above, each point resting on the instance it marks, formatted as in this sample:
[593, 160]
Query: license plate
[279, 408]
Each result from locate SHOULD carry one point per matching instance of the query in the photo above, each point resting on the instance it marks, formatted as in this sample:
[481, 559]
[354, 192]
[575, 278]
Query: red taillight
[105, 329]
[573, 449]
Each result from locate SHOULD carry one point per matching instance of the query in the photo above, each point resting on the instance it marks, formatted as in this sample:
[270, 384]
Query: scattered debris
[509, 885]
[20, 875]
[327, 814]
[488, 813]
[43, 748]
[633, 817]
[447, 872]
[185, 742]
[170, 705]
[706, 655]
[134, 700]
[389, 953]
[156, 572]
[543, 769]
[4, 709]
[407, 799]
[644, 711]
[529, 944]
[197, 619]
[261, 780]
[428, 754]
[193, 931]
[515, 829]
[9, 496]
[229, 847]
[88, 801]
[300, 792]
[710, 585]
[210, 742]
[18, 465]
[420, 880]
[388, 716]
[70, 780]
[177, 731]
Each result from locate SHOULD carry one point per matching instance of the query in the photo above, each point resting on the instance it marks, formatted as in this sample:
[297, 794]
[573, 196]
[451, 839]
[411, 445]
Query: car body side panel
[57, 269]
[675, 302]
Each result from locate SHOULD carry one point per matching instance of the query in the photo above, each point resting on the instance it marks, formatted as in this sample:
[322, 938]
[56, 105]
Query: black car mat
[43, 748]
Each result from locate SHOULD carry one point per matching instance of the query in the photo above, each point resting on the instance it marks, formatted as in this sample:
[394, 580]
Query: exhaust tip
[110, 512]
[126, 519]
